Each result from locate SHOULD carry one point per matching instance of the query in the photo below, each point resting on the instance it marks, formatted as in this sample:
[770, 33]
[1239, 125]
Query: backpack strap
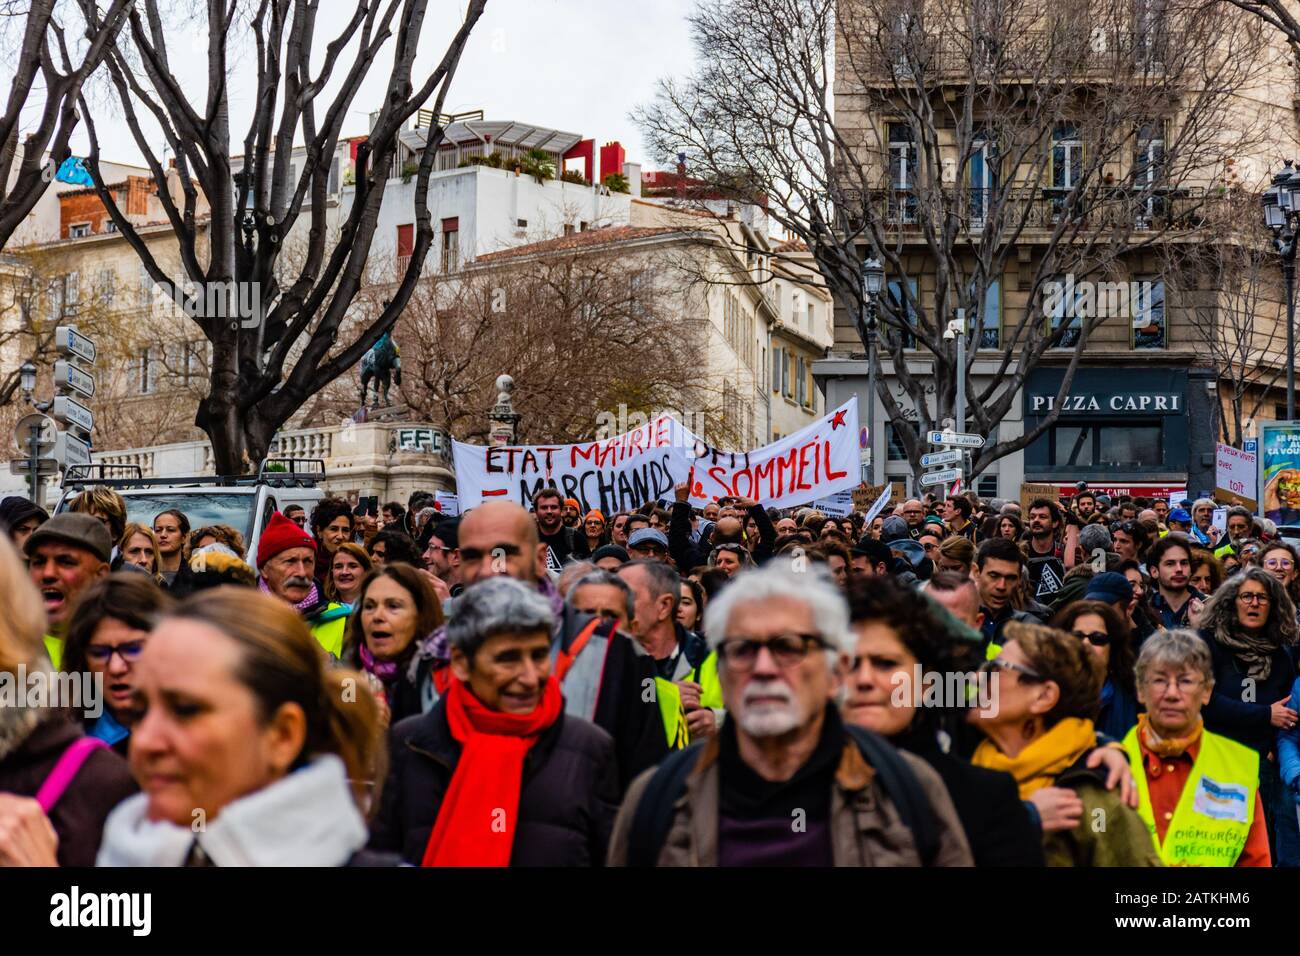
[653, 817]
[903, 790]
[65, 770]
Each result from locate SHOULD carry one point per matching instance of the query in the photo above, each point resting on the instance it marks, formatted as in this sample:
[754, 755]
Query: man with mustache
[286, 561]
[784, 782]
[64, 556]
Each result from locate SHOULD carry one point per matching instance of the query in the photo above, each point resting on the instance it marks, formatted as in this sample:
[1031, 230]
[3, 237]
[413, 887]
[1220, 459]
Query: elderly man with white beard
[785, 782]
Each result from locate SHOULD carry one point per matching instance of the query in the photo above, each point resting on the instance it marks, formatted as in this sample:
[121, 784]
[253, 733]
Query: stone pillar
[503, 420]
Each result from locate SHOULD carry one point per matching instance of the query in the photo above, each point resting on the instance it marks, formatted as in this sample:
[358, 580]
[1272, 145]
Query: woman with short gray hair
[1250, 627]
[1175, 758]
[457, 792]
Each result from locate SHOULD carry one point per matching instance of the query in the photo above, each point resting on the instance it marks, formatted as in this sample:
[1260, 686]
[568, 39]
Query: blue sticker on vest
[1220, 801]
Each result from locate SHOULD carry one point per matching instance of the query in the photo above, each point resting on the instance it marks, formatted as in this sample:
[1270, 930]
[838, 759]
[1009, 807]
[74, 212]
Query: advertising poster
[1279, 471]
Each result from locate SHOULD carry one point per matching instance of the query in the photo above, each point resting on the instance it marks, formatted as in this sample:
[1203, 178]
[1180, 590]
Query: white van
[245, 502]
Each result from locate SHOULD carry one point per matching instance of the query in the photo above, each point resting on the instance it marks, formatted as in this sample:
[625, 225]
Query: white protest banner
[814, 462]
[1235, 475]
[837, 505]
[879, 506]
[612, 475]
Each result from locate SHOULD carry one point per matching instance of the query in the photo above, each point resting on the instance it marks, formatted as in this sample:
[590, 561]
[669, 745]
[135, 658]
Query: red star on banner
[838, 420]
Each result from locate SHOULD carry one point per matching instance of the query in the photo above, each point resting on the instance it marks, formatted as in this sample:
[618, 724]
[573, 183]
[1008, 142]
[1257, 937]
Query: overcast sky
[573, 65]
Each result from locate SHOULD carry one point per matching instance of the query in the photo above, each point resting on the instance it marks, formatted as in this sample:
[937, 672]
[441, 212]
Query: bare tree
[1233, 298]
[1001, 141]
[48, 78]
[263, 371]
[589, 337]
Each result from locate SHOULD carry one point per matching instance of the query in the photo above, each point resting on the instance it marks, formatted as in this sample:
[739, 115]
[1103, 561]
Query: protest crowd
[944, 683]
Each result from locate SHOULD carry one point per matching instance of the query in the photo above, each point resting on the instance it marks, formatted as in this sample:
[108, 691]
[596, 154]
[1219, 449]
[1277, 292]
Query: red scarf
[479, 816]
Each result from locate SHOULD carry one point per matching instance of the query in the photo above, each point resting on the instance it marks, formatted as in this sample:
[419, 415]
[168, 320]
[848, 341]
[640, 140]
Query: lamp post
[1281, 203]
[873, 279]
[27, 382]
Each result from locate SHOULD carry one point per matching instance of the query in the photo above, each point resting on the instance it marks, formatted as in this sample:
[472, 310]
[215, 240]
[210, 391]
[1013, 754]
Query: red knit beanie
[281, 534]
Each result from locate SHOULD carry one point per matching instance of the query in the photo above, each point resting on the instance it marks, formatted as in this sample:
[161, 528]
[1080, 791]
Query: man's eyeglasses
[103, 653]
[998, 663]
[741, 653]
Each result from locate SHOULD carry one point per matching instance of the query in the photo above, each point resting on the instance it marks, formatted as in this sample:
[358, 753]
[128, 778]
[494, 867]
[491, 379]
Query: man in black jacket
[548, 509]
[999, 568]
[687, 554]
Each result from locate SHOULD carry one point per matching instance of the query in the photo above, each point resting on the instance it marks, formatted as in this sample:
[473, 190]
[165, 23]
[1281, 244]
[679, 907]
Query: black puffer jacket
[567, 803]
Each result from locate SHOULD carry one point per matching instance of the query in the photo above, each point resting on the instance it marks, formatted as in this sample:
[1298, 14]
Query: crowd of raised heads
[1093, 682]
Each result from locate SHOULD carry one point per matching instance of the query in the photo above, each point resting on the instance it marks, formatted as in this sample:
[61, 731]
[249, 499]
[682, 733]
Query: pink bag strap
[65, 770]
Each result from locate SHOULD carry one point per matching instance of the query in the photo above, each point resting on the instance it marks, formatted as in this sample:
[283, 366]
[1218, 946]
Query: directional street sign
[47, 432]
[69, 411]
[70, 342]
[23, 466]
[71, 450]
[955, 438]
[947, 476]
[70, 377]
[941, 458]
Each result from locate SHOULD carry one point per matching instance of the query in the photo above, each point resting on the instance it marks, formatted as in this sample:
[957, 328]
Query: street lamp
[1280, 202]
[873, 280]
[27, 379]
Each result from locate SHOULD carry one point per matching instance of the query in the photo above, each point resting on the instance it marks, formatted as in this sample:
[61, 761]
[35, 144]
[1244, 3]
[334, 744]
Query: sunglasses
[1095, 638]
[998, 663]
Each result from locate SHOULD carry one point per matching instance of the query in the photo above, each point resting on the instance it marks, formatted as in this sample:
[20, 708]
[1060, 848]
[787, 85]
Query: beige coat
[866, 829]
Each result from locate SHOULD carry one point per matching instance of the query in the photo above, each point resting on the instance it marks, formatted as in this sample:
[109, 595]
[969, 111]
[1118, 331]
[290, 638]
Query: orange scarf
[479, 815]
[1166, 746]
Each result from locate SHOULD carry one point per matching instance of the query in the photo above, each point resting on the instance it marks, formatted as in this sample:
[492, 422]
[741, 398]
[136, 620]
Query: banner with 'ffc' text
[624, 472]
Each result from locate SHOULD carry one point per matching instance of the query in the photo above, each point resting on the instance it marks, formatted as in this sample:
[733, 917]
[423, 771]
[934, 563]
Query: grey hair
[1219, 616]
[779, 579]
[663, 580]
[601, 577]
[1095, 536]
[1201, 502]
[493, 606]
[572, 571]
[1178, 648]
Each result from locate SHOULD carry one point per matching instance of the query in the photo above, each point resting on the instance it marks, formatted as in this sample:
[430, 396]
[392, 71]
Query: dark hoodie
[16, 509]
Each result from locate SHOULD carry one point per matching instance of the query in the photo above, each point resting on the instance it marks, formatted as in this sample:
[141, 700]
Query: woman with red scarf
[496, 774]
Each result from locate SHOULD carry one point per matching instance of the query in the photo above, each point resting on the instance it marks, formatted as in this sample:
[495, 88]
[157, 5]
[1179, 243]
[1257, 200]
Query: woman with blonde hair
[56, 786]
[139, 546]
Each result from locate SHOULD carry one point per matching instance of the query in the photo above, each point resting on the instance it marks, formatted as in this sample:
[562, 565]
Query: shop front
[1137, 431]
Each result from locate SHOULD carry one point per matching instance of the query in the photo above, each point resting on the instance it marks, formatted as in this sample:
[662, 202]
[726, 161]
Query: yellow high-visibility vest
[1216, 808]
[669, 697]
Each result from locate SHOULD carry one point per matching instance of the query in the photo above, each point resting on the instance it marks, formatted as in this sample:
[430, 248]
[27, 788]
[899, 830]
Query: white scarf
[307, 818]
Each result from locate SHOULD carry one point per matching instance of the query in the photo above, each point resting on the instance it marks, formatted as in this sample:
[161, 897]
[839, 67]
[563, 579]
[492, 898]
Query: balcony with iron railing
[1029, 56]
[1044, 208]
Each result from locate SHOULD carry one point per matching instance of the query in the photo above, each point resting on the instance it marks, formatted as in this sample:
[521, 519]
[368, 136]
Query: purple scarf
[386, 671]
[312, 598]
